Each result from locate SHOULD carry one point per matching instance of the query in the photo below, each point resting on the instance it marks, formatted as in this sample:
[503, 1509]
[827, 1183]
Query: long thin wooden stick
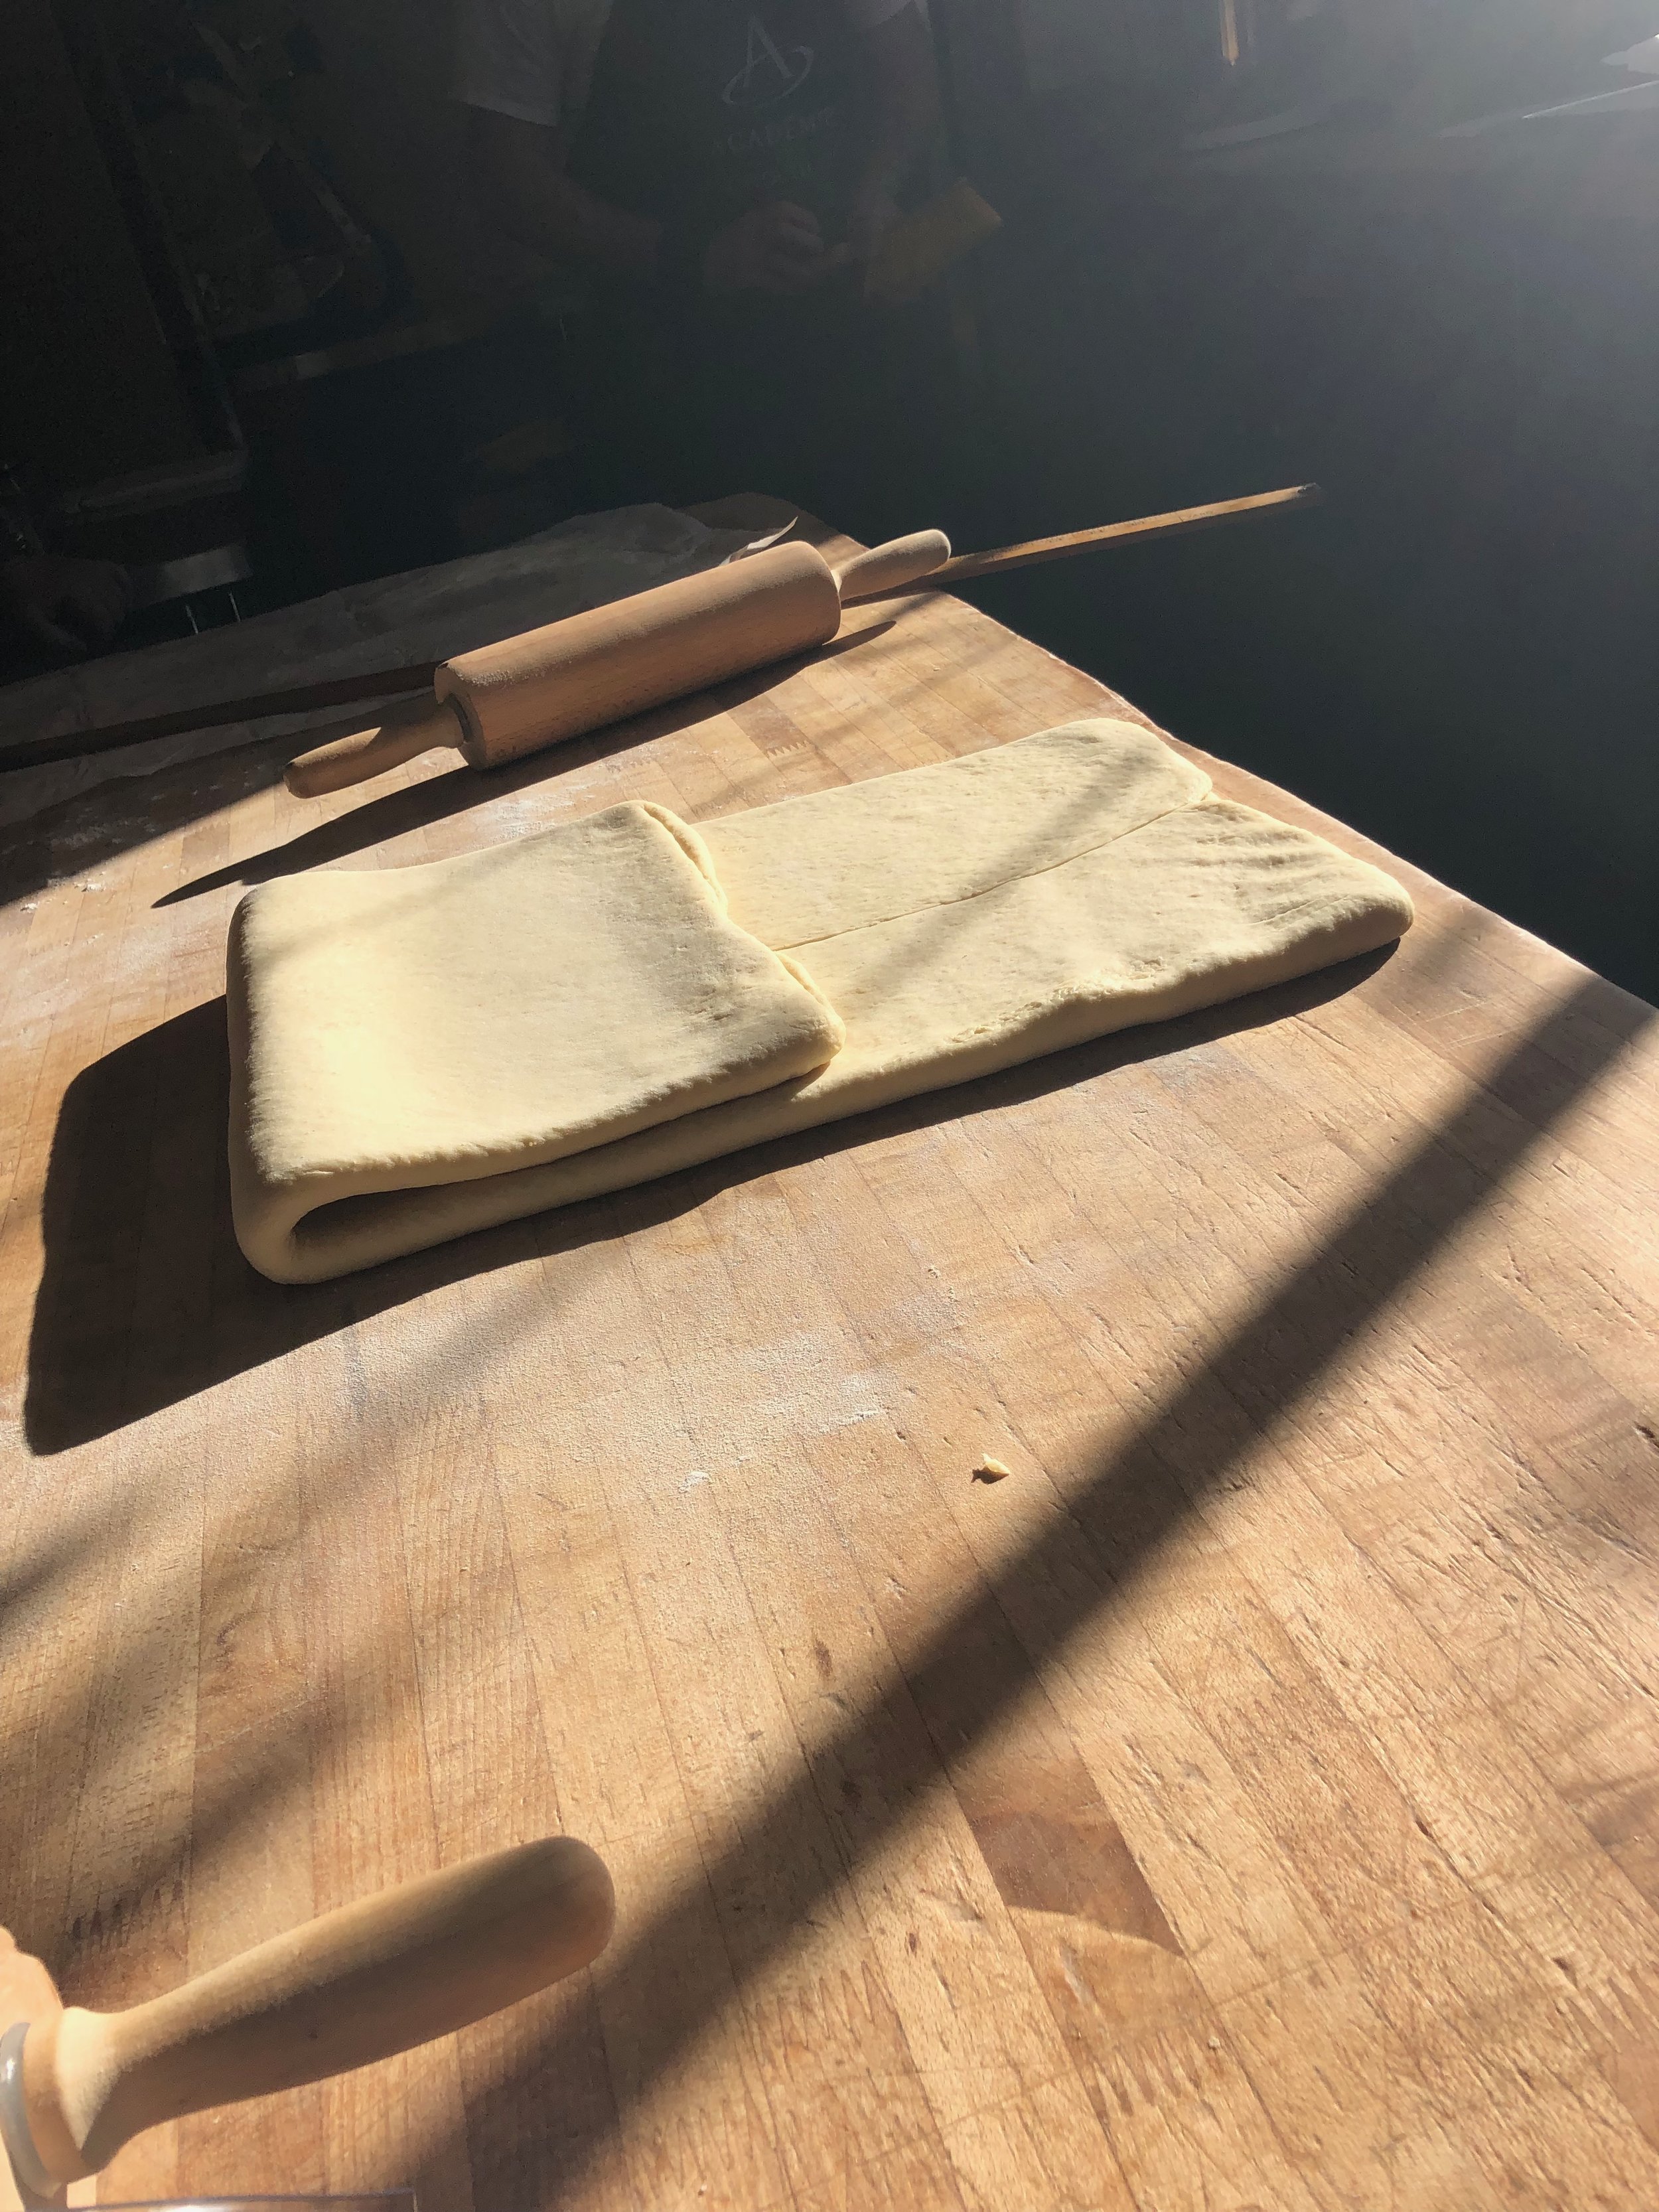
[301, 699]
[382, 683]
[966, 567]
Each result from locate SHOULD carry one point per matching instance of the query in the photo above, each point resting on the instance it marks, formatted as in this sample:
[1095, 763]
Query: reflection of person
[67, 606]
[721, 168]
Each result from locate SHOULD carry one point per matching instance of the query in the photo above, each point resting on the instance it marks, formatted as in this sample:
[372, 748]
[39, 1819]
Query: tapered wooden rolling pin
[878, 580]
[359, 1983]
[593, 668]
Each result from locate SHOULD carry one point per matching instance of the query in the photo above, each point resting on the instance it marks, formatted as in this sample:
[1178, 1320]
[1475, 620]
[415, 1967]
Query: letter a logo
[768, 71]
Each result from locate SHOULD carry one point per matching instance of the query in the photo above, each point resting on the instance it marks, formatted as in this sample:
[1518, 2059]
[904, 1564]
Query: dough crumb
[991, 1470]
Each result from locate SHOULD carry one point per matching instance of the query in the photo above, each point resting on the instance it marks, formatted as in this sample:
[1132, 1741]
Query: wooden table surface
[1249, 1804]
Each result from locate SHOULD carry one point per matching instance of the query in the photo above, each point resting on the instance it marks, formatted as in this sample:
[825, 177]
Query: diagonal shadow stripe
[958, 1687]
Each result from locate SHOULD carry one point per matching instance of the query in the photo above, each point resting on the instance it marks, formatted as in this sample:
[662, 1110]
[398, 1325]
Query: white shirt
[533, 58]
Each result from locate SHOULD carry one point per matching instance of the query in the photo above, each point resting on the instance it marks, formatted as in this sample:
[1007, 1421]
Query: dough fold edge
[301, 1210]
[367, 1233]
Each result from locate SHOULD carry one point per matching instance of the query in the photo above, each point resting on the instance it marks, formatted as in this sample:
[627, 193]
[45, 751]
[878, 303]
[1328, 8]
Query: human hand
[778, 248]
[67, 605]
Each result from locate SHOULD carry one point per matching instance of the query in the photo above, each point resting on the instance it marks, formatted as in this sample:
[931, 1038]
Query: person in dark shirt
[721, 169]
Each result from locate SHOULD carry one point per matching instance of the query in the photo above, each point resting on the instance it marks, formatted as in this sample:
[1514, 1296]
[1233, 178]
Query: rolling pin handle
[889, 568]
[404, 734]
[359, 1983]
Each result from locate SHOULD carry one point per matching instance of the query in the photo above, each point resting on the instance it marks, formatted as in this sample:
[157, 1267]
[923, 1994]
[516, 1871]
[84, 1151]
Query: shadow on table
[145, 1298]
[417, 807]
[87, 829]
[544, 2122]
[543, 2101]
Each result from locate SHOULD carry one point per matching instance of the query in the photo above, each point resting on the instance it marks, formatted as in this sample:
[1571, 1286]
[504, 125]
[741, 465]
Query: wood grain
[1250, 1802]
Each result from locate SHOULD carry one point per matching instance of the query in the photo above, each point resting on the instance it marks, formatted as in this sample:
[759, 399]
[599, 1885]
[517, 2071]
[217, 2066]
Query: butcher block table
[1250, 1802]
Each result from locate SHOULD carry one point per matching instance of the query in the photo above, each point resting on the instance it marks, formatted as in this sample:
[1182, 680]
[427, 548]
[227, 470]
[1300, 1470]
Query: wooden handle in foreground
[403, 733]
[358, 1985]
[1034, 550]
[889, 568]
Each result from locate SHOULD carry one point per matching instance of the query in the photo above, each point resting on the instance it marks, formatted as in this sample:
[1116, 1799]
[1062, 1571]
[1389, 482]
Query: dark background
[1457, 338]
[1458, 653]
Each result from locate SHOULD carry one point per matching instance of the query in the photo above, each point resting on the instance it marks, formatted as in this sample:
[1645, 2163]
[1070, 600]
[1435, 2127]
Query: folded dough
[958, 918]
[428, 1027]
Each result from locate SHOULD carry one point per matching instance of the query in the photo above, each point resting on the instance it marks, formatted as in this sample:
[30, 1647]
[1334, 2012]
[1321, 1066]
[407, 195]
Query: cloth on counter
[958, 918]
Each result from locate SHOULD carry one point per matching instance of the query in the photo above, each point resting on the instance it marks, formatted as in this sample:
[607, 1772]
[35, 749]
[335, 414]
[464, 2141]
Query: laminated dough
[427, 1027]
[957, 919]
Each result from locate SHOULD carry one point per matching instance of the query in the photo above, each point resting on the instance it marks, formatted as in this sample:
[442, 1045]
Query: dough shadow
[145, 1299]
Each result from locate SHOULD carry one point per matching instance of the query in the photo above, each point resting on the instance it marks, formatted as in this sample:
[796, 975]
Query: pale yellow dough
[432, 1026]
[958, 918]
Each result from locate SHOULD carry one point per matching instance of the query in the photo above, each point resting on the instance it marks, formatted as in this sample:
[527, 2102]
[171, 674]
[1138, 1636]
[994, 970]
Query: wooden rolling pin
[372, 1978]
[576, 675]
[415, 676]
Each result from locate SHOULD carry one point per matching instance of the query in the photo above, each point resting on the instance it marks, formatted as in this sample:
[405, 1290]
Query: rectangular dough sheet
[958, 918]
[433, 1028]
